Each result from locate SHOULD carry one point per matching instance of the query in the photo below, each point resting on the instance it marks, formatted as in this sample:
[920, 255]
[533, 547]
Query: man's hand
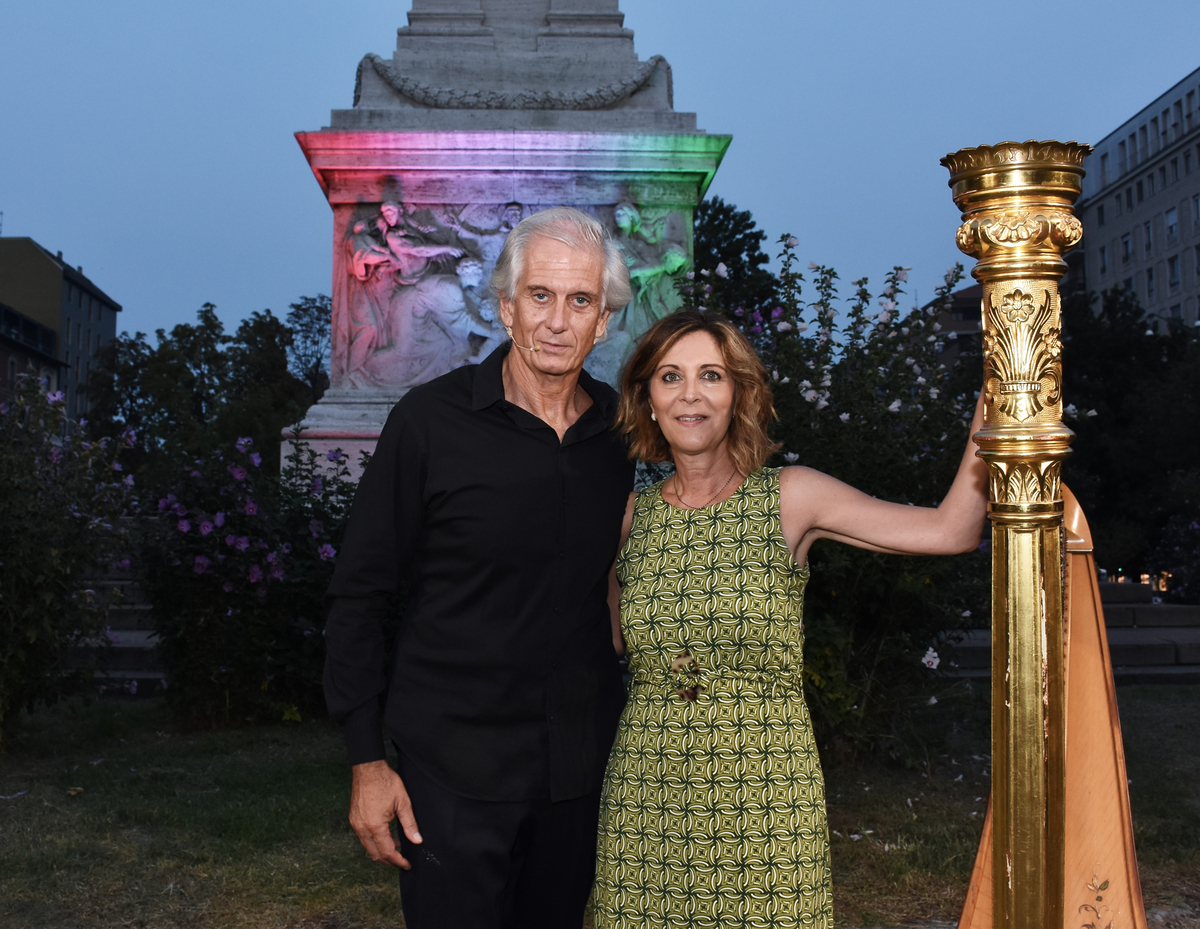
[376, 796]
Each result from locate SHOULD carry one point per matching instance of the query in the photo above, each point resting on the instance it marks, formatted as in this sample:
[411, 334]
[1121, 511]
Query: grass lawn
[247, 828]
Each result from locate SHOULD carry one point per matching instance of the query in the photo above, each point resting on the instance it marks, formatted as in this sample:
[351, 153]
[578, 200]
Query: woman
[713, 812]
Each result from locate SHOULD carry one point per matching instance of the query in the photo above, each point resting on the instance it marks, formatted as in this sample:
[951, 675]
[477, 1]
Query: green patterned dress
[713, 812]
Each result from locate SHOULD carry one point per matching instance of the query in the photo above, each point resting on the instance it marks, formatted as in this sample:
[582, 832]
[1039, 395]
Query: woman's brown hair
[753, 405]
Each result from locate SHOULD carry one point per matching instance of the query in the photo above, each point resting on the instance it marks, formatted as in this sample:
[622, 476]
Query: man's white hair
[573, 228]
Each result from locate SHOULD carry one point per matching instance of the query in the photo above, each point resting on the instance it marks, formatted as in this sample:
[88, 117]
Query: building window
[1100, 215]
[1127, 248]
[1122, 161]
[1149, 290]
[1104, 170]
[1174, 170]
[1129, 198]
[1162, 178]
[1187, 162]
[1172, 216]
[1143, 144]
[1173, 271]
[1176, 311]
[1103, 260]
[1196, 213]
[1198, 260]
[1128, 284]
[1141, 191]
[1148, 236]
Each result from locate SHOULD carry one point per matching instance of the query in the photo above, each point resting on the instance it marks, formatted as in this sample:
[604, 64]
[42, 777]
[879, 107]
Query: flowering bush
[862, 393]
[60, 528]
[238, 561]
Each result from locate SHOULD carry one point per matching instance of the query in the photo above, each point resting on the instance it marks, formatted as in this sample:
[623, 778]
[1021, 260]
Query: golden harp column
[1016, 201]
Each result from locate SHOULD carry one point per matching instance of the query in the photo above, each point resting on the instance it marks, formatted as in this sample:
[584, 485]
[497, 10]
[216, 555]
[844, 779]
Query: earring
[508, 329]
[653, 418]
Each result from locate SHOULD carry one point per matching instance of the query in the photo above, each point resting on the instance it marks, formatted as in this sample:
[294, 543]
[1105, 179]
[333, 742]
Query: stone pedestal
[491, 110]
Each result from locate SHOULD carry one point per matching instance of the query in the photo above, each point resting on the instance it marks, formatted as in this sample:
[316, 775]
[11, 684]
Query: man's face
[390, 214]
[557, 306]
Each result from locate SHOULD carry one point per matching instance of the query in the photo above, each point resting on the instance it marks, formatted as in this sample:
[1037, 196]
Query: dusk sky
[152, 141]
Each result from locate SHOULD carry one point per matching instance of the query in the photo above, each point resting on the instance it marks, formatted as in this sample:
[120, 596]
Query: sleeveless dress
[713, 809]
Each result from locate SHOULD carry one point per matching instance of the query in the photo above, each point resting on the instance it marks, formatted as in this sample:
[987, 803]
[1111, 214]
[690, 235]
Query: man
[495, 497]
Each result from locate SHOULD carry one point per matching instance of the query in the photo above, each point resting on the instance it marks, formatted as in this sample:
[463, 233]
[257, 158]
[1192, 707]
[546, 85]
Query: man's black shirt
[503, 682]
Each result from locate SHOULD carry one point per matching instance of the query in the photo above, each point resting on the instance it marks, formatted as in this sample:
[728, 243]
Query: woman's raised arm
[815, 506]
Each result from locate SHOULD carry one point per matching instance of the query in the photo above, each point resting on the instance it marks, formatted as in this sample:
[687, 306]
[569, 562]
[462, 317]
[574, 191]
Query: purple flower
[4, 412]
[241, 543]
[180, 509]
[116, 466]
[276, 573]
[56, 454]
[238, 472]
[206, 527]
[334, 454]
[127, 480]
[219, 519]
[315, 526]
[327, 551]
[55, 397]
[128, 436]
[195, 474]
[166, 502]
[255, 574]
[286, 548]
[185, 526]
[122, 565]
[250, 508]
[777, 312]
[272, 557]
[201, 564]
[256, 458]
[244, 443]
[756, 328]
[316, 487]
[227, 587]
[739, 312]
[230, 539]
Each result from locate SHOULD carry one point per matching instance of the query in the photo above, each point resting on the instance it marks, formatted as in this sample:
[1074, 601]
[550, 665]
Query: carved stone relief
[414, 301]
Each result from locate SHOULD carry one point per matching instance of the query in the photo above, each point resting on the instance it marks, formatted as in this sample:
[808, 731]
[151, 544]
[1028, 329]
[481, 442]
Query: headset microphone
[534, 348]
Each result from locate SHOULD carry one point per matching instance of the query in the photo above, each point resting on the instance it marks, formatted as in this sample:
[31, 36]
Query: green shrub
[238, 560]
[60, 528]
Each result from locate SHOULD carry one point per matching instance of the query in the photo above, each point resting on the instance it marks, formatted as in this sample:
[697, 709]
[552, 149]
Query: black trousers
[496, 865]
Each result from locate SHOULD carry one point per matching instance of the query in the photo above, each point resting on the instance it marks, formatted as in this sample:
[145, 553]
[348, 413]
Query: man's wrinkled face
[558, 306]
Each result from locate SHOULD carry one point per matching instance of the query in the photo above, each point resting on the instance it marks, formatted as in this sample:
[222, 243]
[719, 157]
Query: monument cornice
[505, 161]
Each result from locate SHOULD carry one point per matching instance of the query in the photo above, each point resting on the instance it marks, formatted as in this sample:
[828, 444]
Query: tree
[725, 235]
[309, 319]
[1133, 398]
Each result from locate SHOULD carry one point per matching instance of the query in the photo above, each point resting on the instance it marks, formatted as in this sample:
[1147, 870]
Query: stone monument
[488, 111]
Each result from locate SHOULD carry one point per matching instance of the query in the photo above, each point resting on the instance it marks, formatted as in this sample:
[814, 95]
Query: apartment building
[1141, 207]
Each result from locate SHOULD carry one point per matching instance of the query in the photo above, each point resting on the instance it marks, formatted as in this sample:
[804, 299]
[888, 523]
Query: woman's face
[691, 394]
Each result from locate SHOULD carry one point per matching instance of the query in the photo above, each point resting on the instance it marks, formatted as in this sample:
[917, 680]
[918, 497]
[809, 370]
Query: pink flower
[180, 509]
[327, 551]
[250, 508]
[238, 472]
[184, 526]
[201, 564]
[206, 527]
[219, 519]
[255, 574]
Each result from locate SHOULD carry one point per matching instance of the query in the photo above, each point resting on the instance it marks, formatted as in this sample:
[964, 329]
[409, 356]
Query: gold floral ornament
[1023, 357]
[1017, 306]
[686, 671]
[1099, 915]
